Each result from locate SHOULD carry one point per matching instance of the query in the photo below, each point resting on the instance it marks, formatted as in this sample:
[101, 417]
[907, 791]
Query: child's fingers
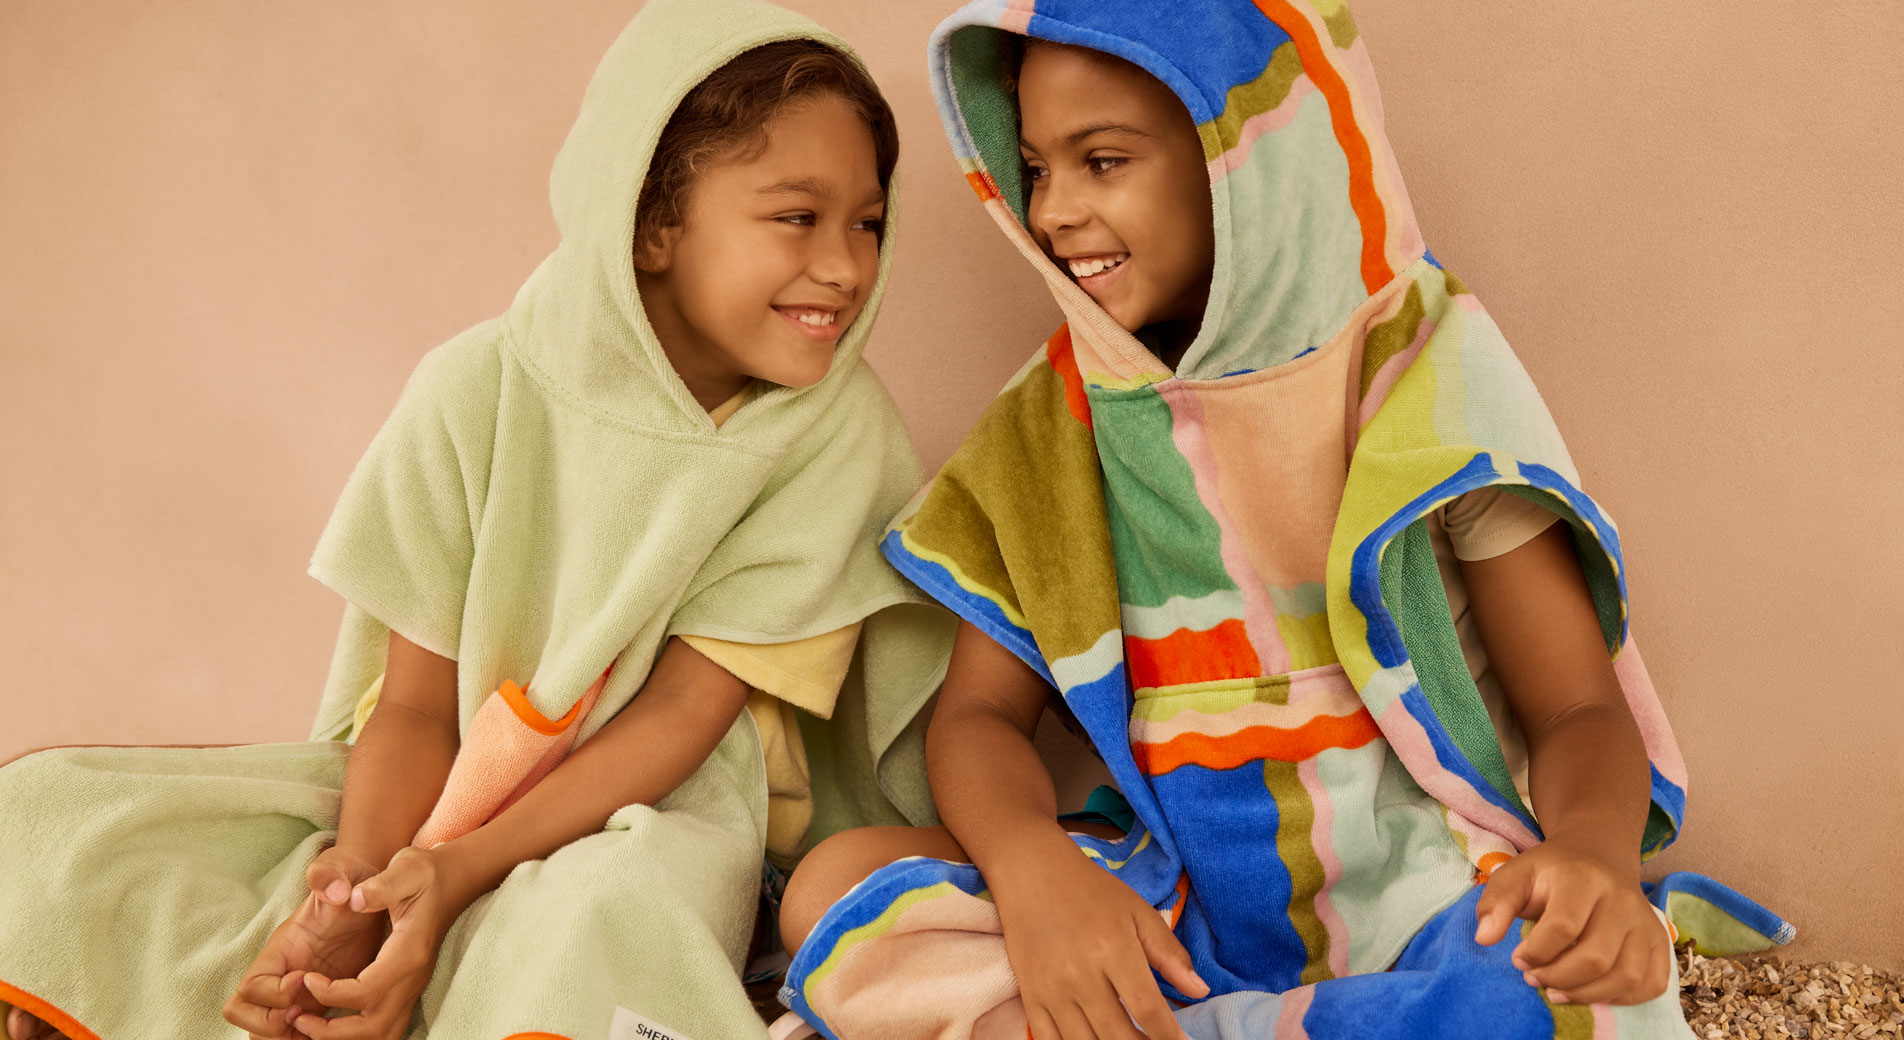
[1638, 975]
[408, 874]
[256, 1019]
[1039, 1025]
[349, 994]
[331, 869]
[1592, 955]
[328, 881]
[1167, 955]
[1145, 1002]
[350, 1027]
[1073, 1023]
[270, 991]
[1561, 922]
[1106, 1014]
[1505, 898]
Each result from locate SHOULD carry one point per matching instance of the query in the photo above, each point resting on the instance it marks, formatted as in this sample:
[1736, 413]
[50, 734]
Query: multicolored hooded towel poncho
[546, 506]
[1224, 570]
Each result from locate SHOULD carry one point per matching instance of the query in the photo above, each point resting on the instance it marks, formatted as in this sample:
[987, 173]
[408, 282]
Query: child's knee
[830, 871]
[824, 875]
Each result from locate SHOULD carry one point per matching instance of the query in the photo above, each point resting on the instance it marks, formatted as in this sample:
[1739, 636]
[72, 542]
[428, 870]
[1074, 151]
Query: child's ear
[654, 251]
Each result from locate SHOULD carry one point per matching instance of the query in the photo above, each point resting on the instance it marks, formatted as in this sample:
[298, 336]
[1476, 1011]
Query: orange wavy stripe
[1184, 656]
[1064, 361]
[45, 1012]
[1488, 865]
[1362, 194]
[982, 183]
[1257, 743]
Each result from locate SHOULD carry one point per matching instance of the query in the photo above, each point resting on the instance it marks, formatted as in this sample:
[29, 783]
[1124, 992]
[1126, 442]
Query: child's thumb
[1505, 897]
[1168, 956]
[407, 874]
[328, 881]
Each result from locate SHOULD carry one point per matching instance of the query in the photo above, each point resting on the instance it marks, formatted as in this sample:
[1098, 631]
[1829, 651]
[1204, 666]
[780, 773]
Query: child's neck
[1168, 340]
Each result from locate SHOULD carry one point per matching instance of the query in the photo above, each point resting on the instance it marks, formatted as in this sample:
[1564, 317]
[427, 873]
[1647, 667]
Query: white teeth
[1087, 268]
[820, 318]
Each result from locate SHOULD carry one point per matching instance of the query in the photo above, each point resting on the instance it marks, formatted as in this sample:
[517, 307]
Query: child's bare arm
[663, 735]
[685, 707]
[1596, 939]
[395, 772]
[402, 758]
[1081, 942]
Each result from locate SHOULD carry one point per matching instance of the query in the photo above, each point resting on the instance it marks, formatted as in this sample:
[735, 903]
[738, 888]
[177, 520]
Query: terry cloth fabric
[1225, 569]
[805, 673]
[546, 505]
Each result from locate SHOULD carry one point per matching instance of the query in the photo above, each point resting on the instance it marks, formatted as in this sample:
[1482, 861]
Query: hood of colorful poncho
[1310, 212]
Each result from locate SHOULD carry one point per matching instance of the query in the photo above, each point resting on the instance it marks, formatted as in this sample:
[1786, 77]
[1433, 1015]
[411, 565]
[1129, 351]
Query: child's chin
[799, 379]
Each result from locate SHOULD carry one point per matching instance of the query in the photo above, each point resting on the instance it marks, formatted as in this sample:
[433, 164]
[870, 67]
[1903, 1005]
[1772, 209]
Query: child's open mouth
[812, 322]
[1095, 272]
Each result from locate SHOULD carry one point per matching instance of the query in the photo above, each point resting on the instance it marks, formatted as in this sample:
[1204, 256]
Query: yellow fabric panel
[805, 673]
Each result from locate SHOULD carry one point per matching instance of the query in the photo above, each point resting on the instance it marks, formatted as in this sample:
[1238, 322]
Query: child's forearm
[992, 790]
[1589, 775]
[394, 778]
[402, 757]
[660, 739]
[1587, 766]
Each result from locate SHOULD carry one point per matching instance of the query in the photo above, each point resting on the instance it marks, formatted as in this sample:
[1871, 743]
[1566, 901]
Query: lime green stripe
[1296, 818]
[1116, 864]
[1211, 698]
[878, 926]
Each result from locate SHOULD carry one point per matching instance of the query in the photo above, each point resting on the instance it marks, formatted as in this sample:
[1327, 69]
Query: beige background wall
[228, 229]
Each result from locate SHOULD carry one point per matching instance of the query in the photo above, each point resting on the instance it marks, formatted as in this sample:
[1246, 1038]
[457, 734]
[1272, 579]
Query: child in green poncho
[611, 559]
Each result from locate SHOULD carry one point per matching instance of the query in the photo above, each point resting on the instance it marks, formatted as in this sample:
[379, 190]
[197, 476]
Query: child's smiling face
[1120, 195]
[775, 255]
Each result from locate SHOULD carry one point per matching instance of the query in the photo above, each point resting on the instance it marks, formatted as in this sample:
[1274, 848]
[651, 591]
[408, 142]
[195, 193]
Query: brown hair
[725, 117]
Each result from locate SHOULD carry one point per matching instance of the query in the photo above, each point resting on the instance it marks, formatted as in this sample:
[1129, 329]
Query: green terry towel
[546, 503]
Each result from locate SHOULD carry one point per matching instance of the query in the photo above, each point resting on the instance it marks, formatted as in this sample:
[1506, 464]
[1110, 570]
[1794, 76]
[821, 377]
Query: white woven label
[626, 1025]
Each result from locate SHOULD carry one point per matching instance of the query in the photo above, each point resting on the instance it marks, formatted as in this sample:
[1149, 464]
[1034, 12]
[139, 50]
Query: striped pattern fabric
[1224, 571]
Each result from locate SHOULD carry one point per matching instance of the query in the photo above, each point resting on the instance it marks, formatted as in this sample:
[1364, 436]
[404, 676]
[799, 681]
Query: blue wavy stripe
[1774, 928]
[1453, 759]
[981, 611]
[862, 906]
[1365, 568]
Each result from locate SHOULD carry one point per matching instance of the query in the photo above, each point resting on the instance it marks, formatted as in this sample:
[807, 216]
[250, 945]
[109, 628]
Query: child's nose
[833, 263]
[1057, 207]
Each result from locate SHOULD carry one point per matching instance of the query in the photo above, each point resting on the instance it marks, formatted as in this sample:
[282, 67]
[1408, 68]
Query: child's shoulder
[468, 366]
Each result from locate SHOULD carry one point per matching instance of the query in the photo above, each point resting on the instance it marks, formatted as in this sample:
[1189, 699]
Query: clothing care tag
[626, 1025]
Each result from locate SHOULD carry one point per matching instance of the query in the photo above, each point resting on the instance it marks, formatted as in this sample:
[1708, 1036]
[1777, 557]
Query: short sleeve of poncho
[401, 540]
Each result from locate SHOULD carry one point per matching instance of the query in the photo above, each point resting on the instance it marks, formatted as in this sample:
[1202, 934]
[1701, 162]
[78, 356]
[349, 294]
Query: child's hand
[1081, 941]
[322, 934]
[1596, 940]
[412, 890]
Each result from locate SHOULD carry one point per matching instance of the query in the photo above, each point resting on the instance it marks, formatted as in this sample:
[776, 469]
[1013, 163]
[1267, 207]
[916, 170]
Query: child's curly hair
[724, 119]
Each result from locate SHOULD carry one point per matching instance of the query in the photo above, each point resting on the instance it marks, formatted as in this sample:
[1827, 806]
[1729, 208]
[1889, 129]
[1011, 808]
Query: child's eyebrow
[1075, 136]
[815, 187]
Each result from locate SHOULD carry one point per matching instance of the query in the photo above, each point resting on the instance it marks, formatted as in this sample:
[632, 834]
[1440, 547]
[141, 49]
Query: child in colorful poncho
[1287, 528]
[602, 550]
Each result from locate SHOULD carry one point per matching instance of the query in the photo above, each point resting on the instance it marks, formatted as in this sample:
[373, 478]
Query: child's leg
[912, 948]
[835, 865]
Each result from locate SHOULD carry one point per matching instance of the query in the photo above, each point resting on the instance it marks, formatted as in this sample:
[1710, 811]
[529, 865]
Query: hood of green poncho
[579, 319]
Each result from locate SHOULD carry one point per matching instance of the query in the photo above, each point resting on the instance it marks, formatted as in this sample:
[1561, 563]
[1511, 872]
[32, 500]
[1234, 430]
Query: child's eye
[1105, 163]
[1034, 174]
[796, 219]
[874, 224]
